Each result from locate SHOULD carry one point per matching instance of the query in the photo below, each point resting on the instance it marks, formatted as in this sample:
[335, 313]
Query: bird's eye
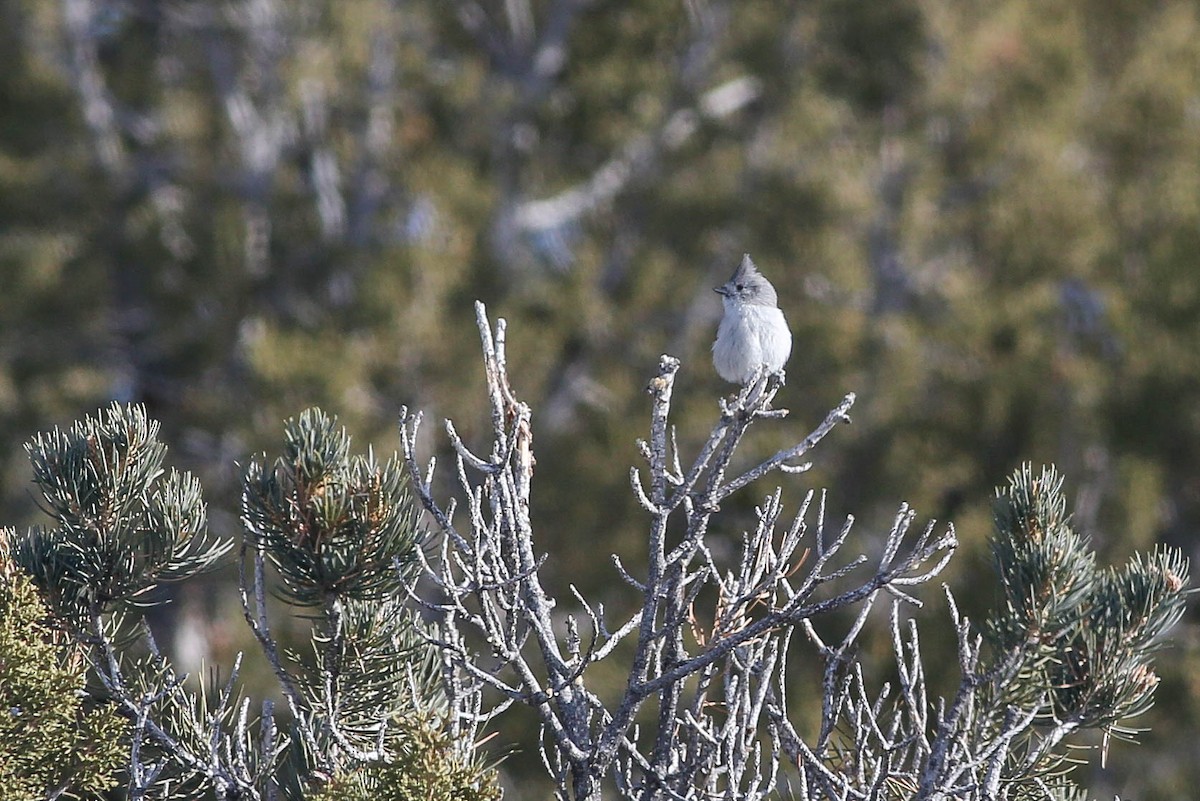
[740, 287]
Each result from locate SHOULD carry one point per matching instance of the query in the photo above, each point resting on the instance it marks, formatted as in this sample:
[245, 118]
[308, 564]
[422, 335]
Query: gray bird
[753, 334]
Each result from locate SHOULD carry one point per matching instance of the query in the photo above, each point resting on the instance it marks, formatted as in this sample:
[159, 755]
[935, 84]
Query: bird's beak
[720, 290]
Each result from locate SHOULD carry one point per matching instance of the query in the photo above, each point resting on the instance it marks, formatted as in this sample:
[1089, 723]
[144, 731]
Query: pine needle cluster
[332, 523]
[123, 524]
[1081, 636]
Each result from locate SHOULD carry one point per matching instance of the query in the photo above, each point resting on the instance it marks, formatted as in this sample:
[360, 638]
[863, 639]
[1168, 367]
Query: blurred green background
[982, 217]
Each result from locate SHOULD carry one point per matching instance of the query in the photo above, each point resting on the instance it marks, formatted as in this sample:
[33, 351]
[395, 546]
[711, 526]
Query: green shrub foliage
[425, 768]
[51, 737]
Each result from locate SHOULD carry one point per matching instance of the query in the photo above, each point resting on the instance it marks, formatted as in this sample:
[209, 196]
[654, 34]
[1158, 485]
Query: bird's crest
[745, 271]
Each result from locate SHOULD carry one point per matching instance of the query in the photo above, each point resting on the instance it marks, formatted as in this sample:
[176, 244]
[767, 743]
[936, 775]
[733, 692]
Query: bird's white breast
[751, 337]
